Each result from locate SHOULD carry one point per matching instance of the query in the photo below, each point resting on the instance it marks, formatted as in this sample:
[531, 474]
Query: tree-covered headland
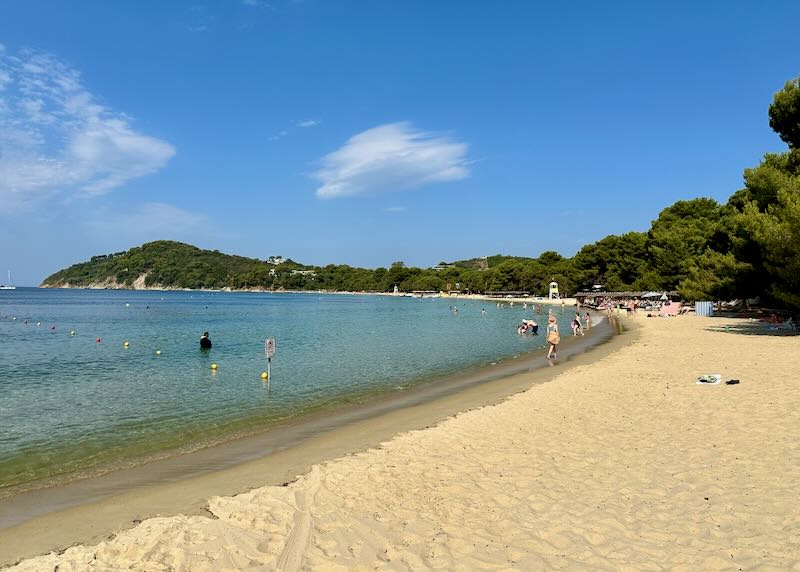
[746, 247]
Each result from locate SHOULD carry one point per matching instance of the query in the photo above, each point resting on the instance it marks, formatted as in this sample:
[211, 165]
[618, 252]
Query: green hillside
[484, 263]
[163, 263]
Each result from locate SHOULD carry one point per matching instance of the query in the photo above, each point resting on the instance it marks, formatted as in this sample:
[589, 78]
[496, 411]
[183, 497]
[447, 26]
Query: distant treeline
[747, 247]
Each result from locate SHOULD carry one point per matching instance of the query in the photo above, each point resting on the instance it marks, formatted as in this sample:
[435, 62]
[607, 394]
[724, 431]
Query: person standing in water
[205, 341]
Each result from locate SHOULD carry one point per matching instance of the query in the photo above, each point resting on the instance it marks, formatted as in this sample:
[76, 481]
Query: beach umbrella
[664, 297]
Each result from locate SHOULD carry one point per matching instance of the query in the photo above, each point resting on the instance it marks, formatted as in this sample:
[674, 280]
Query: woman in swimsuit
[553, 338]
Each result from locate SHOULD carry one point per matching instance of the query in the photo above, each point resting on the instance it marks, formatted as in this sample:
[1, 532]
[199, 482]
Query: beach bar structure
[585, 297]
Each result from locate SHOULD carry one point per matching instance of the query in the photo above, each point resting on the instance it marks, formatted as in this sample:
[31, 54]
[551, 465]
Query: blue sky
[374, 131]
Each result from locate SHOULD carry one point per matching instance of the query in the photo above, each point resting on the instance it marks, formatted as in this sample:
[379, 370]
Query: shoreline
[568, 302]
[368, 399]
[626, 461]
[183, 484]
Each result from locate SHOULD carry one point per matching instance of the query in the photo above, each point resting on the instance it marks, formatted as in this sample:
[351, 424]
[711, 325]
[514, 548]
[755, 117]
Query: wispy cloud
[299, 124]
[389, 158]
[147, 222]
[56, 139]
[198, 18]
[395, 209]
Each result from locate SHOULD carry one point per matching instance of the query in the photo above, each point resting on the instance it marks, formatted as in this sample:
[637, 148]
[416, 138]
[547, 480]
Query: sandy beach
[620, 462]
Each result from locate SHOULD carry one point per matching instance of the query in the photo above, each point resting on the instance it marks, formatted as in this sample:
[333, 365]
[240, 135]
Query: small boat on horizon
[10, 285]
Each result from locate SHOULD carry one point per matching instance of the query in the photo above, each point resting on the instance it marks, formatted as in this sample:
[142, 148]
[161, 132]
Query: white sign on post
[269, 350]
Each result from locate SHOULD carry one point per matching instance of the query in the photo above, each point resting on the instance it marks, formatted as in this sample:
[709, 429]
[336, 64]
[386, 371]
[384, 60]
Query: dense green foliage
[748, 247]
[165, 263]
[784, 113]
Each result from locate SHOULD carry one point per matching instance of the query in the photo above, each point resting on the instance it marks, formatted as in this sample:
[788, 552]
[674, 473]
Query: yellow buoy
[213, 366]
[158, 352]
[264, 375]
[125, 344]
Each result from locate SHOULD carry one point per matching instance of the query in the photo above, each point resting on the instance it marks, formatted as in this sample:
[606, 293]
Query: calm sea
[78, 402]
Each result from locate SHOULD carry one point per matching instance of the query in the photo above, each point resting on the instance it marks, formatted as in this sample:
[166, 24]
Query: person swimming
[205, 341]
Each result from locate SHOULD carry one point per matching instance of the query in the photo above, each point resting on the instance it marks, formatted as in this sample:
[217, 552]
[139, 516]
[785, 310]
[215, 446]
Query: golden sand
[622, 464]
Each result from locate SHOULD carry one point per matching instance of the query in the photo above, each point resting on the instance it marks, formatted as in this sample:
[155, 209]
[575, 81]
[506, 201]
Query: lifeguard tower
[554, 295]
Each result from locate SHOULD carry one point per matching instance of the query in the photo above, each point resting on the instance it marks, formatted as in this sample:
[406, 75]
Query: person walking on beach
[588, 321]
[578, 325]
[205, 341]
[553, 338]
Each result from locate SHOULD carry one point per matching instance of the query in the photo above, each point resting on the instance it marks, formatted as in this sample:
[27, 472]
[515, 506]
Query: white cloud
[388, 158]
[56, 139]
[150, 221]
[307, 123]
[5, 78]
[278, 135]
[395, 209]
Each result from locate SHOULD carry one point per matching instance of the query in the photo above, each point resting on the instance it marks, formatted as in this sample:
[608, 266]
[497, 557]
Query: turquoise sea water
[71, 403]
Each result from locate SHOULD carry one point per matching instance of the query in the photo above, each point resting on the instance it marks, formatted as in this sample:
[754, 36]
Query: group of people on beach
[530, 327]
[553, 336]
[577, 326]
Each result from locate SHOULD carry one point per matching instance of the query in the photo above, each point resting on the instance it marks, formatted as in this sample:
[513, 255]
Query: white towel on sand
[709, 379]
